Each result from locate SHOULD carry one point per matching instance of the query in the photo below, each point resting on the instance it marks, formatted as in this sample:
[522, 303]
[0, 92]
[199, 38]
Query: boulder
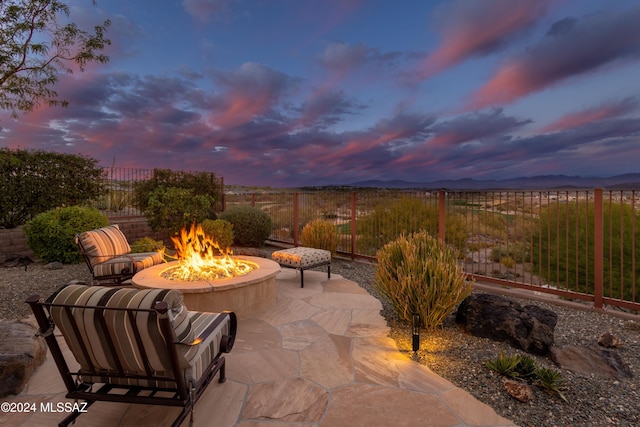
[528, 327]
[21, 352]
[591, 360]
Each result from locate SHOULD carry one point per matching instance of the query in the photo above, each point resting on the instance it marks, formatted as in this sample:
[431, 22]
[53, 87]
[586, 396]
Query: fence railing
[118, 200]
[579, 244]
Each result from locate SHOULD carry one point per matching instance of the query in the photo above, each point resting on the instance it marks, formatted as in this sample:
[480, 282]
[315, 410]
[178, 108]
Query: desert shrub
[320, 234]
[147, 244]
[563, 233]
[251, 226]
[51, 234]
[198, 183]
[219, 230]
[172, 208]
[34, 182]
[420, 274]
[517, 252]
[407, 215]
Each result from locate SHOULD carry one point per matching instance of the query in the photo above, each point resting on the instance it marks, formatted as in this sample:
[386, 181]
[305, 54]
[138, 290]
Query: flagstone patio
[320, 356]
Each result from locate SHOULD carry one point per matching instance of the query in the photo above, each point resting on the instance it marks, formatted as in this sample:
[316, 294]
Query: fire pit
[212, 279]
[247, 295]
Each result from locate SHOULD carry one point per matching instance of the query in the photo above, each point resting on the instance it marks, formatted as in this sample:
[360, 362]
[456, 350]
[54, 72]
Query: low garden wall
[14, 241]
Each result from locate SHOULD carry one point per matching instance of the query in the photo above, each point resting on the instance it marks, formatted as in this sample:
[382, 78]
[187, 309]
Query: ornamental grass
[320, 234]
[420, 274]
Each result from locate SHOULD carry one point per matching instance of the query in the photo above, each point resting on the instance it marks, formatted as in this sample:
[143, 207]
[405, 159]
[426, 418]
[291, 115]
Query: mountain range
[630, 181]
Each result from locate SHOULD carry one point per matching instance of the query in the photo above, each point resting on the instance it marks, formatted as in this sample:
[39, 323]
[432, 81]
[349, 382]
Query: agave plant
[505, 365]
[550, 380]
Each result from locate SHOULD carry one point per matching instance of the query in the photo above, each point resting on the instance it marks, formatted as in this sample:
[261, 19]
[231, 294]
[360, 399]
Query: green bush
[563, 233]
[220, 231]
[419, 274]
[34, 182]
[172, 208]
[251, 226]
[407, 215]
[320, 234]
[147, 244]
[51, 234]
[198, 183]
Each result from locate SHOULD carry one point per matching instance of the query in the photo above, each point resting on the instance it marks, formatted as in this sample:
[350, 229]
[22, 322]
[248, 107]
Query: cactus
[420, 274]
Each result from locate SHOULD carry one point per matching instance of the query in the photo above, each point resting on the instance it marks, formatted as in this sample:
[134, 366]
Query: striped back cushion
[104, 243]
[114, 342]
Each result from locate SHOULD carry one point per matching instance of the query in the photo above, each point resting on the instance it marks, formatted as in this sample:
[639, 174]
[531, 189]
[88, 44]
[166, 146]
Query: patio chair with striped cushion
[108, 255]
[131, 344]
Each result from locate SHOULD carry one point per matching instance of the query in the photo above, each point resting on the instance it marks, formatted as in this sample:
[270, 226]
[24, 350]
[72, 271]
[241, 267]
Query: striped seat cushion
[104, 243]
[126, 355]
[127, 264]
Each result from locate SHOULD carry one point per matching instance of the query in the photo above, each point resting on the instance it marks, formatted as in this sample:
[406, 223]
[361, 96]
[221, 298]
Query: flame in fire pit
[201, 258]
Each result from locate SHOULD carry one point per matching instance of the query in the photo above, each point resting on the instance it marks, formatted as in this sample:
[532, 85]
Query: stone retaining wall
[14, 241]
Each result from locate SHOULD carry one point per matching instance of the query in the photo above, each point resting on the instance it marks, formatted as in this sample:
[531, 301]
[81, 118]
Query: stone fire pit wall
[248, 295]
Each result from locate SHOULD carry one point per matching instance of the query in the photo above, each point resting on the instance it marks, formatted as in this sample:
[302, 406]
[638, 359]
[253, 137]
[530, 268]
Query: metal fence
[580, 244]
[119, 197]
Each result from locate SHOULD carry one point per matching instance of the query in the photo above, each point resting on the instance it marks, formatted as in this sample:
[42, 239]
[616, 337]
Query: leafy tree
[172, 208]
[35, 47]
[199, 183]
[37, 181]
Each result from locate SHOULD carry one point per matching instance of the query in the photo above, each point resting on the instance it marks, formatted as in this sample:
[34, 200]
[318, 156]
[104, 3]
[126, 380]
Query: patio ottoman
[302, 259]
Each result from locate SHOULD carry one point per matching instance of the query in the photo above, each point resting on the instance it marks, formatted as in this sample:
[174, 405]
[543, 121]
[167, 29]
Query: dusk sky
[318, 92]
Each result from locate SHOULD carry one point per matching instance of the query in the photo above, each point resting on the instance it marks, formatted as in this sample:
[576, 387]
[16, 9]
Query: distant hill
[630, 181]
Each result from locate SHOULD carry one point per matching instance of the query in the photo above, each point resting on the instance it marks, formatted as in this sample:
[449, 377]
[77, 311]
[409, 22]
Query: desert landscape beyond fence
[579, 244]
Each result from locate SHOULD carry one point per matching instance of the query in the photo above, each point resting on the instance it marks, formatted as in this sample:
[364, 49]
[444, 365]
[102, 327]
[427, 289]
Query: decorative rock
[55, 265]
[21, 352]
[591, 360]
[529, 328]
[519, 391]
[609, 340]
[14, 260]
[632, 325]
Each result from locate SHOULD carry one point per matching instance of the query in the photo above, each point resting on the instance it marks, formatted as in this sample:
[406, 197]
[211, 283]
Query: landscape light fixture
[415, 332]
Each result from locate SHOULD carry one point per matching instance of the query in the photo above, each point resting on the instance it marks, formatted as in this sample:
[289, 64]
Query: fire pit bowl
[248, 295]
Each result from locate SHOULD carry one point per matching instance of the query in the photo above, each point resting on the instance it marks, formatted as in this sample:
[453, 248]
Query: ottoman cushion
[302, 257]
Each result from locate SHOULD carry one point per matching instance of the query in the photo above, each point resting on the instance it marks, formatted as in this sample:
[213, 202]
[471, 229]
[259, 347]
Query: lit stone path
[320, 356]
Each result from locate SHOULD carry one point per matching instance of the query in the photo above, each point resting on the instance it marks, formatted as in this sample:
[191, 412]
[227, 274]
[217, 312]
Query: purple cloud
[572, 47]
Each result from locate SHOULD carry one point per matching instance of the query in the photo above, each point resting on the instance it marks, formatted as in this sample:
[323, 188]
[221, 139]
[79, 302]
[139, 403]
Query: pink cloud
[571, 47]
[478, 28]
[511, 81]
[591, 115]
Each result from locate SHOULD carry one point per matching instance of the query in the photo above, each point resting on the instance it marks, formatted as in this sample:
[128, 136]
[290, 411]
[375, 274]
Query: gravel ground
[449, 352]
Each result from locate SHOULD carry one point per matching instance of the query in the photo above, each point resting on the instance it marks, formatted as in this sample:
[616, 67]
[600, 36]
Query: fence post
[353, 225]
[441, 215]
[598, 250]
[296, 220]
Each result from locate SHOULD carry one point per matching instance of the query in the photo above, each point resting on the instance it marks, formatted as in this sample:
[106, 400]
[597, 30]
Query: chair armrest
[227, 341]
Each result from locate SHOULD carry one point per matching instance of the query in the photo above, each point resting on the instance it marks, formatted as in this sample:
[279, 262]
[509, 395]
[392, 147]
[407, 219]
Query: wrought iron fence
[119, 197]
[579, 244]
